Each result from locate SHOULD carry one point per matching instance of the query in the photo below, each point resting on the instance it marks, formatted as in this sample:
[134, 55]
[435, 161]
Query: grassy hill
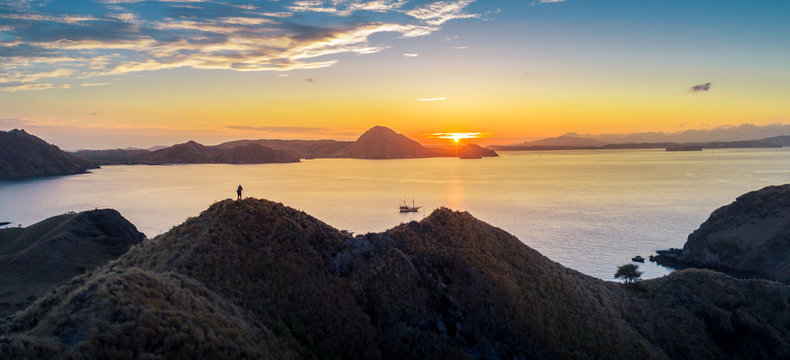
[35, 259]
[280, 283]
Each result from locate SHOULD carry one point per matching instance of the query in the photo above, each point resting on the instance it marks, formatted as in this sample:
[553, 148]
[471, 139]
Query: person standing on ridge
[238, 192]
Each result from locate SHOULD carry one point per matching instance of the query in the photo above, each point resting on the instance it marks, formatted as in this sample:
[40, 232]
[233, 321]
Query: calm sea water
[588, 210]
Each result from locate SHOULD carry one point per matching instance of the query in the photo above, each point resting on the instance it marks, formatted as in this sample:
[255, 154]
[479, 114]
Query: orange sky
[512, 70]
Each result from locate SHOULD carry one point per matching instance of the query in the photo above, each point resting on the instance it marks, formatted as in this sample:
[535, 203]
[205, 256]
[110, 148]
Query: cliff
[257, 279]
[36, 258]
[23, 155]
[750, 235]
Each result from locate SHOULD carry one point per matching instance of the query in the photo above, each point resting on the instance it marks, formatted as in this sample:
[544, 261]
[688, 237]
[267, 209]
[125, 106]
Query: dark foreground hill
[256, 279]
[23, 155]
[36, 258]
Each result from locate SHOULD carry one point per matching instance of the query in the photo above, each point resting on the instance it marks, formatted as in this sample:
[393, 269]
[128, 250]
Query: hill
[23, 155]
[750, 236]
[474, 151]
[778, 140]
[112, 156]
[257, 279]
[380, 142]
[305, 149]
[191, 152]
[36, 258]
[565, 140]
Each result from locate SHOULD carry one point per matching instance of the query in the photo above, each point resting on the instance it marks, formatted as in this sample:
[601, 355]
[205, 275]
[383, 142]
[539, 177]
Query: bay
[588, 210]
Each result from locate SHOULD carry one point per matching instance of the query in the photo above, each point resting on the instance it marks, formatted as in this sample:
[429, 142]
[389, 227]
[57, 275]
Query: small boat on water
[406, 208]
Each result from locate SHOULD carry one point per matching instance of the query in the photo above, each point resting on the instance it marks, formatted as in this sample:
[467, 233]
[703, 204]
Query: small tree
[629, 273]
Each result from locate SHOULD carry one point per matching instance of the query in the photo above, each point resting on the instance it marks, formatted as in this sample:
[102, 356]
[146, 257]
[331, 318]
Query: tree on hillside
[629, 273]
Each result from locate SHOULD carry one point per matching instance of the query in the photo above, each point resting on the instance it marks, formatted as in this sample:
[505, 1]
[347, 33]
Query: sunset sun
[456, 137]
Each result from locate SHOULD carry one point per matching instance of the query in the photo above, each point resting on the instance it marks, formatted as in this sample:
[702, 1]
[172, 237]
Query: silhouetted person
[238, 192]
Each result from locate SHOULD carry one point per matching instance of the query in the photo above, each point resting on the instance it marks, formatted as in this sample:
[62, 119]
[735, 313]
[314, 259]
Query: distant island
[670, 146]
[23, 156]
[259, 280]
[749, 237]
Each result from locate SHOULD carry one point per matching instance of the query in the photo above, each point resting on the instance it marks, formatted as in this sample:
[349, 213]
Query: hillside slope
[36, 258]
[23, 155]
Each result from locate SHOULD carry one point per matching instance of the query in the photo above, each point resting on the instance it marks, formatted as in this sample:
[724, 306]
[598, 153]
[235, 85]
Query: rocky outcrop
[23, 155]
[750, 235]
[36, 258]
[257, 279]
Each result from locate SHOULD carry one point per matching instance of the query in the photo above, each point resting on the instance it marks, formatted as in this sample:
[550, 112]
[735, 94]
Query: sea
[588, 210]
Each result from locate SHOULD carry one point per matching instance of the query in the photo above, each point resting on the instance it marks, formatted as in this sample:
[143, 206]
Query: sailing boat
[406, 208]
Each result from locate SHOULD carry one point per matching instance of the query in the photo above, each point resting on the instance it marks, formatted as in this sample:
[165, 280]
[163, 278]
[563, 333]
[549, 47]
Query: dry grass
[447, 287]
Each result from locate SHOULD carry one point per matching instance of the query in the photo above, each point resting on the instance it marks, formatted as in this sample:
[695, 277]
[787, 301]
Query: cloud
[439, 12]
[309, 81]
[433, 99]
[96, 84]
[411, 55]
[700, 88]
[116, 37]
[546, 2]
[345, 7]
[280, 129]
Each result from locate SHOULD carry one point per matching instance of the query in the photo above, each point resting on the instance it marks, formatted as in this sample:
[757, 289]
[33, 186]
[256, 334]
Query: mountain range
[257, 279]
[378, 142]
[722, 133]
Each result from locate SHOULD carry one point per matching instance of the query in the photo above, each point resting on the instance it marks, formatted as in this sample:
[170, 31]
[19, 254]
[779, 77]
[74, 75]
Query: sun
[456, 137]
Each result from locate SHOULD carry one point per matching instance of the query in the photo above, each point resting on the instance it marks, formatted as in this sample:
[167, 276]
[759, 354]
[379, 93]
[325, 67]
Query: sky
[118, 73]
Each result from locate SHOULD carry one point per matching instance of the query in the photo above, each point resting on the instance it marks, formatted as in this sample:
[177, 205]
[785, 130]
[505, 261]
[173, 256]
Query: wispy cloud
[411, 55]
[115, 37]
[96, 84]
[280, 129]
[433, 99]
[546, 2]
[439, 12]
[700, 88]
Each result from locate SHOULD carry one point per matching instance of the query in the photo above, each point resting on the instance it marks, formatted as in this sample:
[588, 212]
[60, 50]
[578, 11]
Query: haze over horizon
[117, 73]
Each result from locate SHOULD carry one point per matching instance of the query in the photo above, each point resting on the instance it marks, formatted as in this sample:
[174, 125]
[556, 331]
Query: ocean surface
[588, 210]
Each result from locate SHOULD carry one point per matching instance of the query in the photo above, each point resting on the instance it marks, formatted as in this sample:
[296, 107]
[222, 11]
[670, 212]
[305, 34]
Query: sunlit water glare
[588, 210]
